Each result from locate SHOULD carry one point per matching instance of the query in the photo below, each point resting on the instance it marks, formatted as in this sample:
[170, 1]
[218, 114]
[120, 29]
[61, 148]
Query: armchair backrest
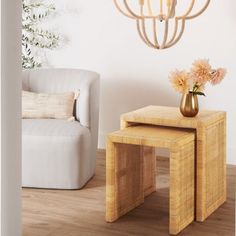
[64, 80]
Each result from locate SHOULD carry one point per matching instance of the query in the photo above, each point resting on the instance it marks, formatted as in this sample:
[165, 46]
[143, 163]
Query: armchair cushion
[63, 156]
[52, 128]
[45, 105]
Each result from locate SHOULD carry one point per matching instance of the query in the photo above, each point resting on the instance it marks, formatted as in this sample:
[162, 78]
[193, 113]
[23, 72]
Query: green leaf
[199, 93]
[32, 36]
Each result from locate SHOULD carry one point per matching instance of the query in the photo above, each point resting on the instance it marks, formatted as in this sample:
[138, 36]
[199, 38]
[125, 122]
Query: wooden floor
[81, 213]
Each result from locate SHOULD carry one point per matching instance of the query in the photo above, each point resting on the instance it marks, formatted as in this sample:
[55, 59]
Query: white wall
[134, 75]
[10, 147]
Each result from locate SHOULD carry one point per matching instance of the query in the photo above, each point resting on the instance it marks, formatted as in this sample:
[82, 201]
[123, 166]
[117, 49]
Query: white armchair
[58, 153]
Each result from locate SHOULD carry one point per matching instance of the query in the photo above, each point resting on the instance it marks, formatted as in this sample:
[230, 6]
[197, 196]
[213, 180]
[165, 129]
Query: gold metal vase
[189, 105]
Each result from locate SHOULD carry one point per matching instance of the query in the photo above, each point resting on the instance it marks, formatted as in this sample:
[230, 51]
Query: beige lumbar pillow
[46, 105]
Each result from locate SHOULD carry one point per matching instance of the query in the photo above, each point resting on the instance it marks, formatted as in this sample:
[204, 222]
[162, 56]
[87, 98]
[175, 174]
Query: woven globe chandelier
[159, 24]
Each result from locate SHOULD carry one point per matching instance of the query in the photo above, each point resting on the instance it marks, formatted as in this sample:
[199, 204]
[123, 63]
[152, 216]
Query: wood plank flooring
[82, 212]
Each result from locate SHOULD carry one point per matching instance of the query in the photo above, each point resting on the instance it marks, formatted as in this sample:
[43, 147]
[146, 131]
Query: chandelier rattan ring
[156, 12]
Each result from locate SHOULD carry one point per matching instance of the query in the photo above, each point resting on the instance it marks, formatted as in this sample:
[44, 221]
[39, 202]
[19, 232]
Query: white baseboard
[102, 141]
[231, 155]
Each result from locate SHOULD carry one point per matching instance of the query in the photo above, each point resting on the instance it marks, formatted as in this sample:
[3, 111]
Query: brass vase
[189, 105]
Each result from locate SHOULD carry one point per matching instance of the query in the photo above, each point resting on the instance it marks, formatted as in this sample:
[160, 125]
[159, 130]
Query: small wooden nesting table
[125, 188]
[210, 151]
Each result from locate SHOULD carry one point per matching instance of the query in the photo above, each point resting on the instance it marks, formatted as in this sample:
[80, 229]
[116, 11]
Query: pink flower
[201, 71]
[180, 81]
[217, 76]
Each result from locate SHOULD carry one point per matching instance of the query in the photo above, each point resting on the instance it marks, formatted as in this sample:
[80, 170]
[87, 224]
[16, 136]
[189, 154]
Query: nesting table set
[197, 163]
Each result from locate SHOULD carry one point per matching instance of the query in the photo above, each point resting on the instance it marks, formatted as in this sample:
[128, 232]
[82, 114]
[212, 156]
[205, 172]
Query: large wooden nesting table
[210, 152]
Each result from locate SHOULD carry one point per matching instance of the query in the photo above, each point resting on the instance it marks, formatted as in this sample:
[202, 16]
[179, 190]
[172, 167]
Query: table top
[150, 135]
[171, 116]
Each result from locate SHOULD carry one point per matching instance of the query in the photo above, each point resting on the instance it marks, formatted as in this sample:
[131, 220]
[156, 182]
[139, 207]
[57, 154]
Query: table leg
[181, 187]
[211, 169]
[149, 170]
[124, 186]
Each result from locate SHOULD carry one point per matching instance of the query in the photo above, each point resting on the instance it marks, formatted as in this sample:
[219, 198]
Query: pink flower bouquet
[194, 81]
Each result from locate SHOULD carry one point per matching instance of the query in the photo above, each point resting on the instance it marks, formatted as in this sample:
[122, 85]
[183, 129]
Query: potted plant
[192, 83]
